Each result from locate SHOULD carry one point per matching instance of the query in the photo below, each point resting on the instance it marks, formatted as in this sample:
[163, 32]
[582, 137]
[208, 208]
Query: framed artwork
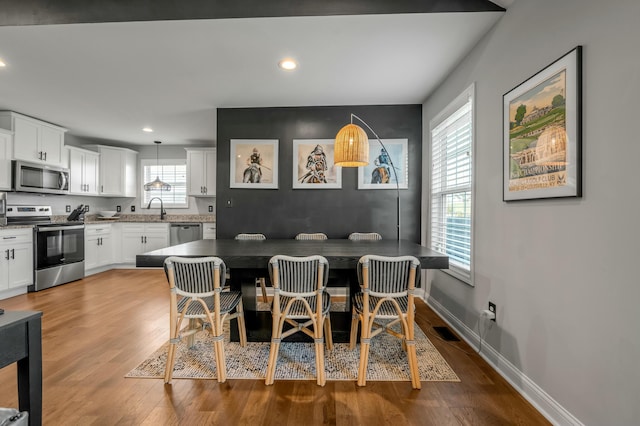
[253, 163]
[313, 166]
[542, 119]
[379, 173]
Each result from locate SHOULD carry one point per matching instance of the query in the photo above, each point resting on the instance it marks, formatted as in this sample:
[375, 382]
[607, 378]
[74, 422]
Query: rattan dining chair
[261, 280]
[311, 236]
[365, 236]
[387, 285]
[196, 295]
[300, 300]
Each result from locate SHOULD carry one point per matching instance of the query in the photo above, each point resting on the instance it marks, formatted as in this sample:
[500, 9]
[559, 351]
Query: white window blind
[452, 185]
[173, 172]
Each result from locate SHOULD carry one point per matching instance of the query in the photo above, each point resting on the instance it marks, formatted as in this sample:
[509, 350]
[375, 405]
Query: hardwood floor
[97, 329]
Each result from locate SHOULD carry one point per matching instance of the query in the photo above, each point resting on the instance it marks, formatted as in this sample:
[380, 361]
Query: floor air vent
[446, 334]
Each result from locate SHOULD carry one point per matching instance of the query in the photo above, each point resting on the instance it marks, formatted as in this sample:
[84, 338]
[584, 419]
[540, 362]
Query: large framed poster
[253, 163]
[542, 133]
[379, 174]
[313, 166]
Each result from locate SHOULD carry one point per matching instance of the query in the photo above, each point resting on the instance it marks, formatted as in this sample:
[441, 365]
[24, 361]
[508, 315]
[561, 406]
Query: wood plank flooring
[97, 329]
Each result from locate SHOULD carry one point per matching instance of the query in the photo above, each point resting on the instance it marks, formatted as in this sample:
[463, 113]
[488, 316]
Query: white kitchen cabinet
[201, 172]
[138, 238]
[117, 171]
[6, 155]
[16, 258]
[34, 140]
[84, 167]
[209, 231]
[98, 246]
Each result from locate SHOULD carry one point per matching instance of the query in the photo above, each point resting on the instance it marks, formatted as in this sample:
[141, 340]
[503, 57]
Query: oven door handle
[60, 228]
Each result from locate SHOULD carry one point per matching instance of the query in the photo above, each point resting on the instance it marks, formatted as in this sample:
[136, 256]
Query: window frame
[147, 162]
[468, 95]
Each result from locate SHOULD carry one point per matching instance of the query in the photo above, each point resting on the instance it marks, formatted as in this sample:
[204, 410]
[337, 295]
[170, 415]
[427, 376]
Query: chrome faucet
[163, 213]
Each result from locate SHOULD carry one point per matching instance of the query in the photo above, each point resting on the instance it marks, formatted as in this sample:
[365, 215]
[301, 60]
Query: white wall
[562, 272]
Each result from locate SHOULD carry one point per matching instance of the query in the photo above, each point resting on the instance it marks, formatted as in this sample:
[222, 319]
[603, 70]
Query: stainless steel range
[58, 247]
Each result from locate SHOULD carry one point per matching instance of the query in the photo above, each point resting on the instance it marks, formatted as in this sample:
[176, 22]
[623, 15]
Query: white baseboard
[12, 292]
[542, 401]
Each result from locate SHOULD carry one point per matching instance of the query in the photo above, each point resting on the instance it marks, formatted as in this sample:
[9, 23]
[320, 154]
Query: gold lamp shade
[352, 147]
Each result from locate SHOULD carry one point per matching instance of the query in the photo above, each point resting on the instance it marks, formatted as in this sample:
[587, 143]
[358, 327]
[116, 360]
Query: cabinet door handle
[100, 240]
[205, 189]
[13, 253]
[6, 256]
[145, 240]
[45, 156]
[141, 239]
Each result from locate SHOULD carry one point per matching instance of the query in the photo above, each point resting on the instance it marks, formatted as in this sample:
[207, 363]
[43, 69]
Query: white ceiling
[107, 81]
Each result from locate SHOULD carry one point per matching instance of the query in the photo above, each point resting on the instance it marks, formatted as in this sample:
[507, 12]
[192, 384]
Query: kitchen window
[451, 194]
[173, 172]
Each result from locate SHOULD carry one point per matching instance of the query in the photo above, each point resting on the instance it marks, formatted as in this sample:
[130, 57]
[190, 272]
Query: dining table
[248, 260]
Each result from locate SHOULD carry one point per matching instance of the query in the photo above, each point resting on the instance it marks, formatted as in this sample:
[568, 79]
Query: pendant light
[157, 184]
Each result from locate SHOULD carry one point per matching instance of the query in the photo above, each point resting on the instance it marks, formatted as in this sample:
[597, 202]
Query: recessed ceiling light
[147, 129]
[288, 64]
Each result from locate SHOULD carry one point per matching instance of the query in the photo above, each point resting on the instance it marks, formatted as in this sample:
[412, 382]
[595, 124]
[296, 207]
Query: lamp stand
[395, 174]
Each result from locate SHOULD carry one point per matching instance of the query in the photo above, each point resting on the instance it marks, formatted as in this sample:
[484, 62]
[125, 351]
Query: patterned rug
[296, 361]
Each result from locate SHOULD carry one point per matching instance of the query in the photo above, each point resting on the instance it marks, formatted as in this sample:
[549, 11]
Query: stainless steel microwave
[41, 178]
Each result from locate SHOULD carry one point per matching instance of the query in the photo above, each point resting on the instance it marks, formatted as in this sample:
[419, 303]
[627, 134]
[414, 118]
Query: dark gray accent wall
[45, 12]
[284, 212]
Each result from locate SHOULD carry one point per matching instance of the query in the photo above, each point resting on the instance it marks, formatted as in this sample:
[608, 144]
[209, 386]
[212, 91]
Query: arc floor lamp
[352, 150]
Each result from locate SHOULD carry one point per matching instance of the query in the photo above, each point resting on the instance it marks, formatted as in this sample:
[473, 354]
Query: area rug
[296, 361]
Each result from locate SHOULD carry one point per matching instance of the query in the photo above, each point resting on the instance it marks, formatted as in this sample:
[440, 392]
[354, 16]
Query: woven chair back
[388, 275]
[311, 236]
[365, 236]
[246, 237]
[299, 274]
[195, 276]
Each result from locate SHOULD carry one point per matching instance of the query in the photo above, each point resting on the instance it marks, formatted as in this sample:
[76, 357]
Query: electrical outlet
[118, 209]
[67, 209]
[133, 208]
[210, 209]
[492, 308]
[229, 203]
[86, 208]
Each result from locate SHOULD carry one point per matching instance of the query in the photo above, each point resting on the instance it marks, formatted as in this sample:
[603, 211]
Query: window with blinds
[451, 219]
[173, 172]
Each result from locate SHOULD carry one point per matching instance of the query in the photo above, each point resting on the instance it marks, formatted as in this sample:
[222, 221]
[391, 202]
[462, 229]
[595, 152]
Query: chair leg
[354, 330]
[221, 362]
[263, 286]
[191, 338]
[168, 369]
[366, 326]
[327, 332]
[409, 342]
[276, 335]
[242, 329]
[320, 374]
[413, 365]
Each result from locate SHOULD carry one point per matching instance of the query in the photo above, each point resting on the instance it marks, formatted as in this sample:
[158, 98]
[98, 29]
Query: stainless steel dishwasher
[184, 232]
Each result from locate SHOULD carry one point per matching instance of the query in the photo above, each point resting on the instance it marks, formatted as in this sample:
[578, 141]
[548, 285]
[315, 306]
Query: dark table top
[341, 253]
[15, 317]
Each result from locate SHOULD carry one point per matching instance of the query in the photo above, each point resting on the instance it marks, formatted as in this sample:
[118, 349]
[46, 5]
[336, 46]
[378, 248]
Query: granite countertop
[15, 227]
[148, 218]
[152, 218]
